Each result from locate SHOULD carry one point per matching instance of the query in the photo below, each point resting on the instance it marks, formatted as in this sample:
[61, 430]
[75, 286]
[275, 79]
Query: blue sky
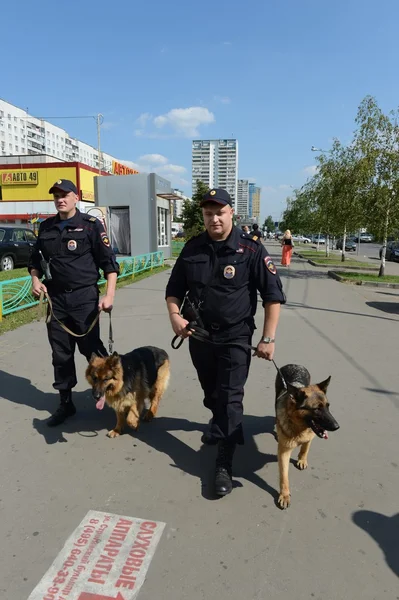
[279, 75]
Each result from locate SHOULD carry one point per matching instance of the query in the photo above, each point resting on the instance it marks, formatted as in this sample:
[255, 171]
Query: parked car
[321, 239]
[365, 238]
[301, 238]
[16, 245]
[350, 244]
[392, 251]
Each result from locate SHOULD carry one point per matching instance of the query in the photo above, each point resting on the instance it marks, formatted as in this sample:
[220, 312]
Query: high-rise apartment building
[215, 163]
[254, 201]
[21, 134]
[242, 208]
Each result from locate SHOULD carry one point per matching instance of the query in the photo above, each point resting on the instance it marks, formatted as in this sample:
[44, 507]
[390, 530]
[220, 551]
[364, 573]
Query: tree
[193, 223]
[377, 141]
[343, 177]
[268, 225]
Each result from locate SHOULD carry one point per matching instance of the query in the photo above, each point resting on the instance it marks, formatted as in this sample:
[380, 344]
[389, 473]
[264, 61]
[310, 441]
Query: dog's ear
[93, 356]
[296, 393]
[324, 384]
[115, 354]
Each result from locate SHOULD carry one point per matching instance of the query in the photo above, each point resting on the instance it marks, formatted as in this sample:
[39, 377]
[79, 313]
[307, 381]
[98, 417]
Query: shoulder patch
[270, 266]
[93, 219]
[104, 239]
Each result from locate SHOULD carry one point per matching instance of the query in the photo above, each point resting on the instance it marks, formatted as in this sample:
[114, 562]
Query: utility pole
[100, 120]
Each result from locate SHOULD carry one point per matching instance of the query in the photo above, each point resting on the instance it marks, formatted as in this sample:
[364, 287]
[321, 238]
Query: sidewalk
[338, 541]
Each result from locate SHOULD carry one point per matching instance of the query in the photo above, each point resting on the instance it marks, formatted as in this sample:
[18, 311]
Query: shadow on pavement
[296, 305]
[385, 531]
[387, 307]
[247, 460]
[88, 421]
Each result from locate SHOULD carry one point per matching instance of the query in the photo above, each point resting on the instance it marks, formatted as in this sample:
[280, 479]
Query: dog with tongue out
[302, 412]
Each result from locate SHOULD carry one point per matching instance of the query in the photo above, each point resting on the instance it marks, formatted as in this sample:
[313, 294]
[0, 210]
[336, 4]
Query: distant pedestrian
[287, 245]
[256, 233]
[245, 228]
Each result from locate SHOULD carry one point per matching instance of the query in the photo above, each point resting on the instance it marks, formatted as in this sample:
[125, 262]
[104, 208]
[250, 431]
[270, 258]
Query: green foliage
[193, 223]
[269, 224]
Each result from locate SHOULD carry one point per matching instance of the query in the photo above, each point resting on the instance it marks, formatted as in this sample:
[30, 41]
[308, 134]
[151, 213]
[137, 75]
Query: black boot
[66, 409]
[207, 437]
[224, 468]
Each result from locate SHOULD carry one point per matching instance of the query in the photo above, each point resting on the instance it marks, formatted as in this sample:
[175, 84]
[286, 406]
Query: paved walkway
[339, 539]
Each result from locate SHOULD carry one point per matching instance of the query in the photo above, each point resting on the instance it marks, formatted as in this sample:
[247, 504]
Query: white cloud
[132, 165]
[311, 170]
[285, 186]
[172, 169]
[222, 99]
[143, 119]
[153, 159]
[185, 121]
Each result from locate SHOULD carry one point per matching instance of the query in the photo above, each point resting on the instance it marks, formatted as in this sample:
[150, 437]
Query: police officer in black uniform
[72, 246]
[221, 271]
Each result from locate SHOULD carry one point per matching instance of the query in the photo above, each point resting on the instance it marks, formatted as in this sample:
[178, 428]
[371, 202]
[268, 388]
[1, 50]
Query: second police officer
[221, 271]
[72, 247]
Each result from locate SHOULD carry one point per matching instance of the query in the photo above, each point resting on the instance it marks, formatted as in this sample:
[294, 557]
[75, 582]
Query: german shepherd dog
[302, 412]
[125, 381]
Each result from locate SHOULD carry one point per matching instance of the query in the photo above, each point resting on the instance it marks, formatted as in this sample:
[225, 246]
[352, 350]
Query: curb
[340, 266]
[373, 284]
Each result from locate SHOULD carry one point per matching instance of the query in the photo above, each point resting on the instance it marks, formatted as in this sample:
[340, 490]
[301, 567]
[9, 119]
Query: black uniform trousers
[76, 309]
[222, 370]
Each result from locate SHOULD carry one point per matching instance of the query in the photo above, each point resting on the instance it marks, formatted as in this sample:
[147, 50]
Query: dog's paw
[147, 416]
[302, 464]
[113, 433]
[284, 500]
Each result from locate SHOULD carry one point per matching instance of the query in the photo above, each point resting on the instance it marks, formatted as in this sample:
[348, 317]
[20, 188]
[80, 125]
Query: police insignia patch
[212, 192]
[72, 245]
[105, 240]
[59, 181]
[93, 219]
[270, 265]
[229, 272]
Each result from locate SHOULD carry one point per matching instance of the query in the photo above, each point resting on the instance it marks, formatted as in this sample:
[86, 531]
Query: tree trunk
[318, 242]
[343, 245]
[327, 245]
[384, 247]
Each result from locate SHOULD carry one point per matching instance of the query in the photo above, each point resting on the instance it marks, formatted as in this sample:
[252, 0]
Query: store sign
[89, 196]
[119, 169]
[19, 177]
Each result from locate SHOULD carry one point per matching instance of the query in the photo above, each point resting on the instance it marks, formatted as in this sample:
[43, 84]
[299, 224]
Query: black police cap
[65, 185]
[218, 195]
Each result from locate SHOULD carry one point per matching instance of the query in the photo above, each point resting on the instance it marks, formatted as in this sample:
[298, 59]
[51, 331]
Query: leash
[202, 335]
[50, 313]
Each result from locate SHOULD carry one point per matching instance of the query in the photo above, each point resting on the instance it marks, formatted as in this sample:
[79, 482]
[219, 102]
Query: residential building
[178, 203]
[254, 201]
[22, 134]
[215, 163]
[242, 208]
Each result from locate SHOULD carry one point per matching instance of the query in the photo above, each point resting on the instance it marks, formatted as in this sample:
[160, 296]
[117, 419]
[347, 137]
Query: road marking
[105, 558]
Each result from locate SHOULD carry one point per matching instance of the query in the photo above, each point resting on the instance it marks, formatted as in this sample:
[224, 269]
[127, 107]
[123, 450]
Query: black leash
[202, 335]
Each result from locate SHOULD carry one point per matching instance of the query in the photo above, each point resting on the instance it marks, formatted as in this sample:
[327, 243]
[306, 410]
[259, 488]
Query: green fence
[177, 247]
[16, 294]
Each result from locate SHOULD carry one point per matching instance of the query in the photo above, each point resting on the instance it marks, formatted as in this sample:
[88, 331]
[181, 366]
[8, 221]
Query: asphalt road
[338, 540]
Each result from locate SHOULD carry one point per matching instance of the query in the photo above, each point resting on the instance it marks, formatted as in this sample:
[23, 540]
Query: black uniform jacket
[76, 253]
[225, 283]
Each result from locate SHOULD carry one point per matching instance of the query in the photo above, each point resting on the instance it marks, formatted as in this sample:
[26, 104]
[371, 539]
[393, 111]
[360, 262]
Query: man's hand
[179, 325]
[106, 303]
[37, 287]
[265, 351]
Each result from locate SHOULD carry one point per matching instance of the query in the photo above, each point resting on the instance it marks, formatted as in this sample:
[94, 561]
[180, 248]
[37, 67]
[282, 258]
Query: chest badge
[229, 272]
[72, 245]
[240, 250]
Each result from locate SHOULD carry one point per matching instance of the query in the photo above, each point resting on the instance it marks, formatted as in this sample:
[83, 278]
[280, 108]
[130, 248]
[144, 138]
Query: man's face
[218, 219]
[64, 202]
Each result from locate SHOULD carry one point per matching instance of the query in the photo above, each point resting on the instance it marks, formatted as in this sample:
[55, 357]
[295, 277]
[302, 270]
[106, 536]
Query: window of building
[162, 227]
